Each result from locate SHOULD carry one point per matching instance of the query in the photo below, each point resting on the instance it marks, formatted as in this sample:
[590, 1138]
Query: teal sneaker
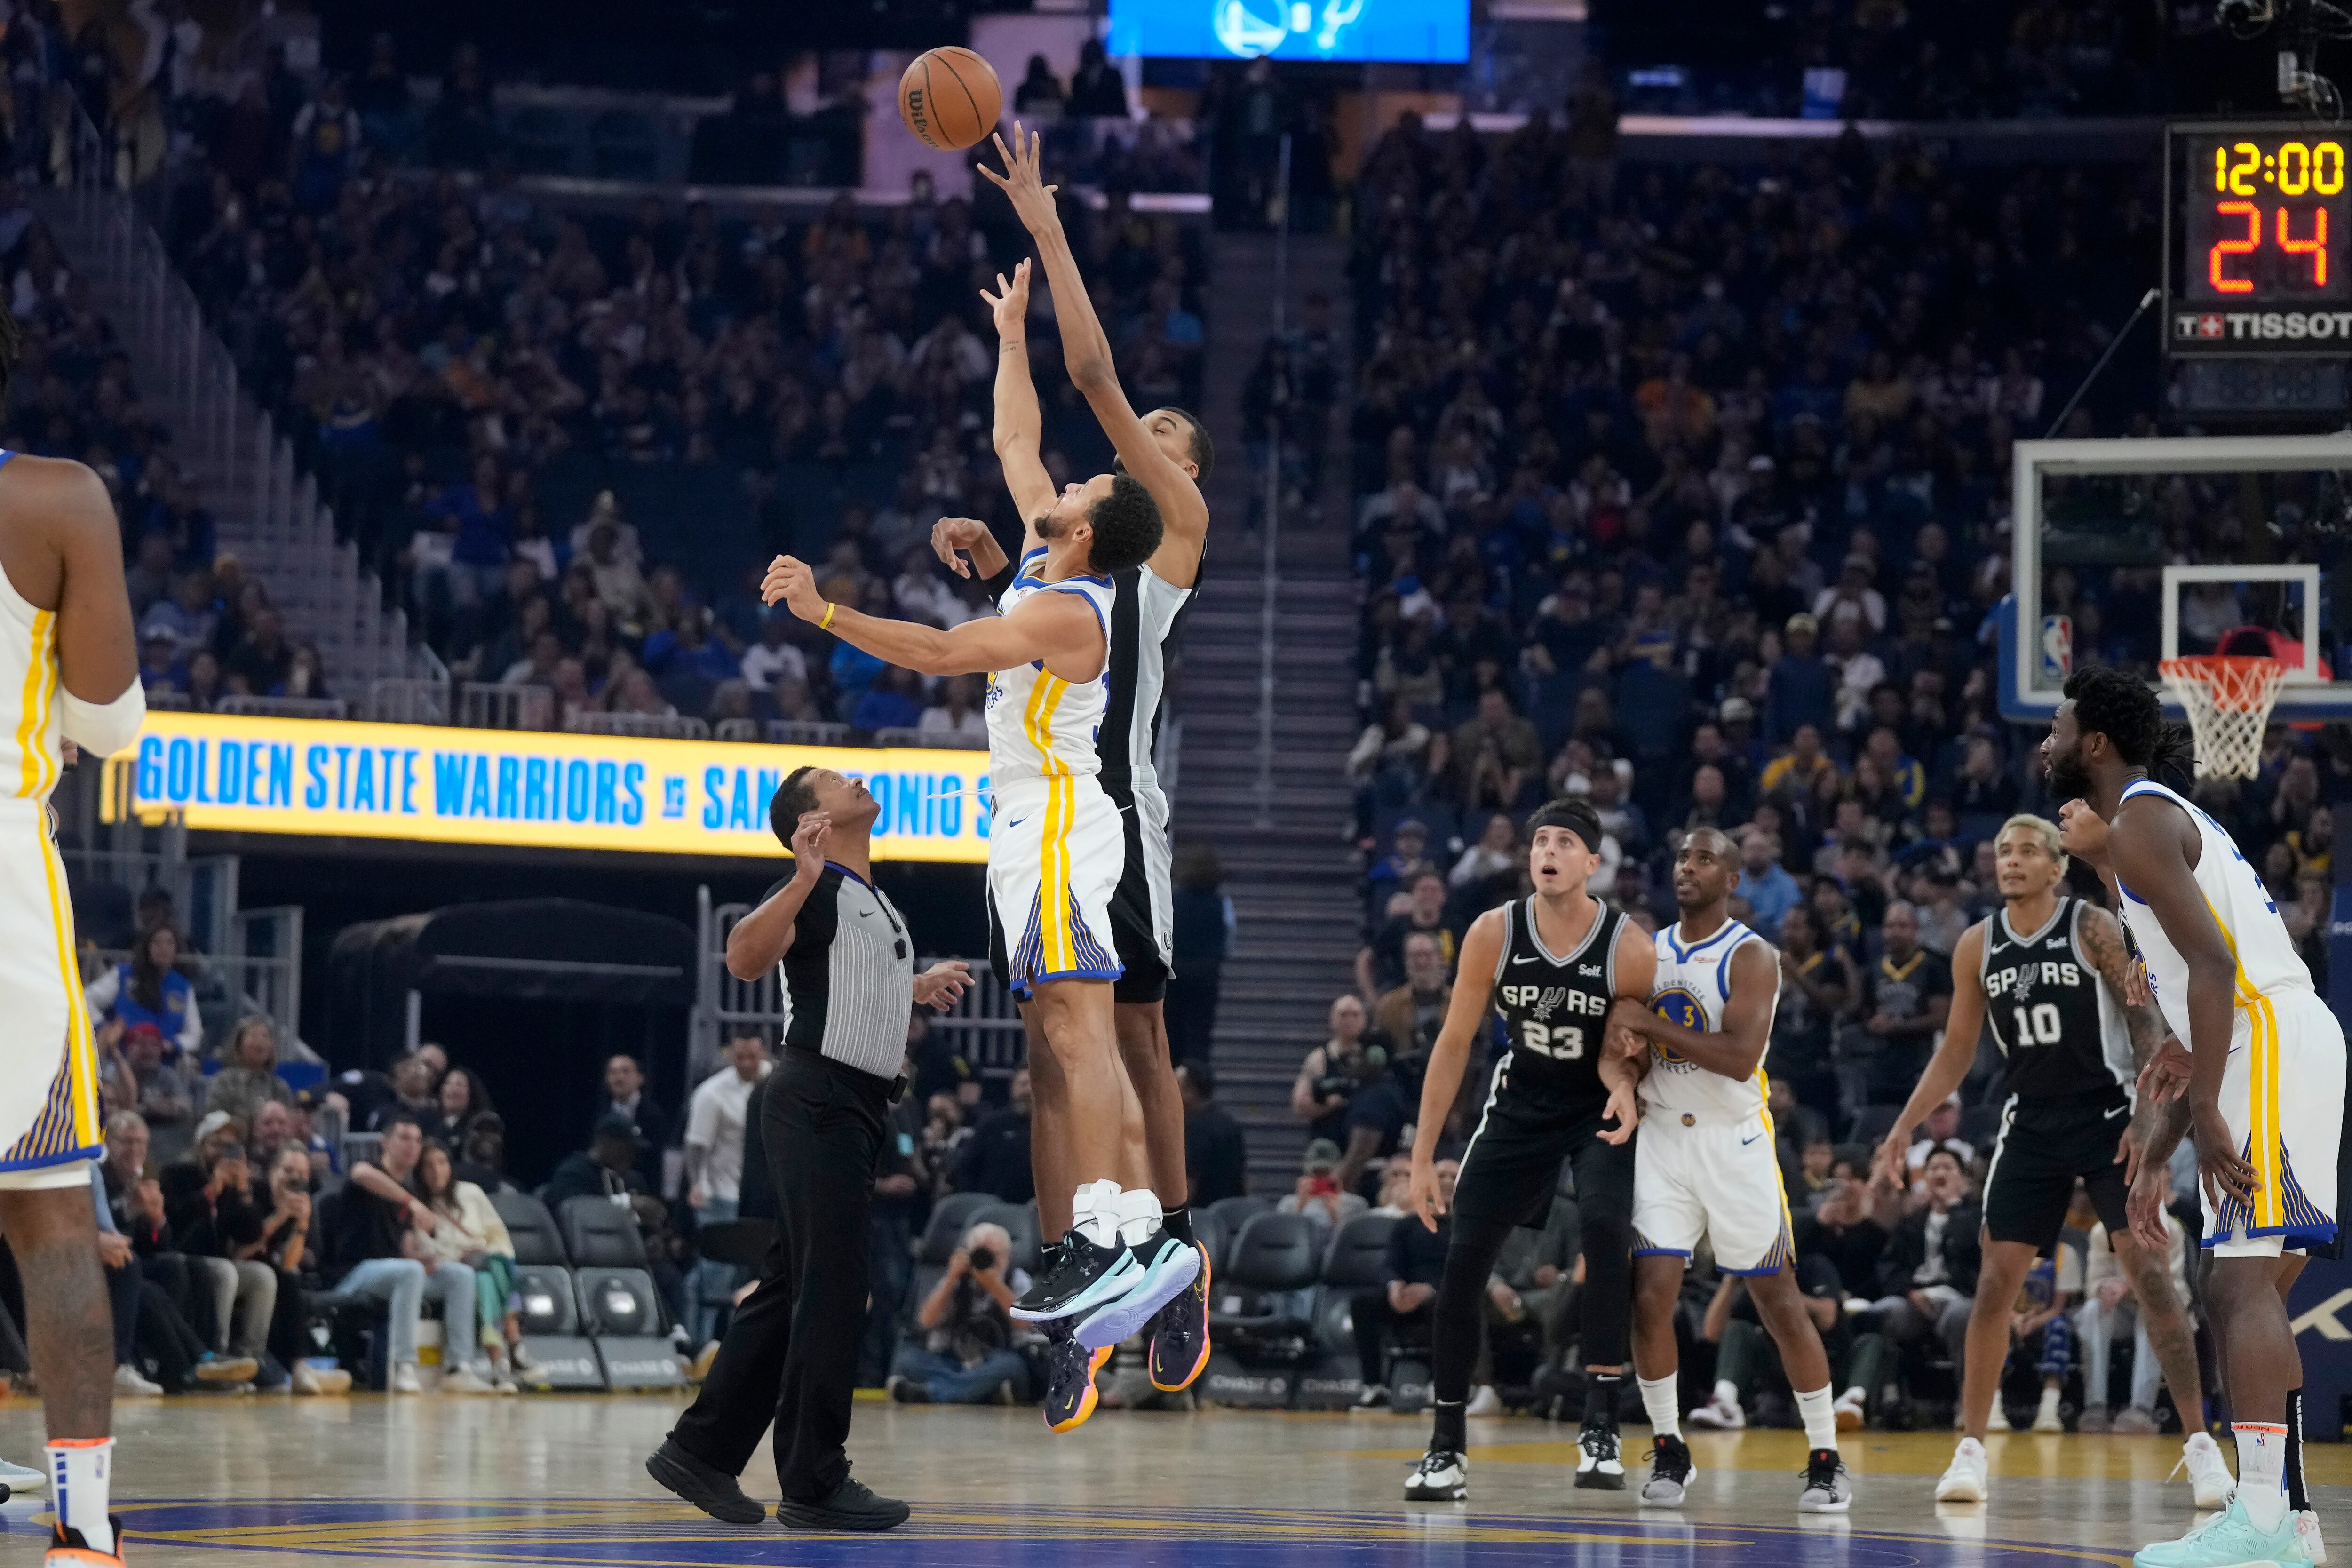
[2229, 1539]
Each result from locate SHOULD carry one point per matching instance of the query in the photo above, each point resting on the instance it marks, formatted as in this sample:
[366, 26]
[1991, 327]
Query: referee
[792, 1350]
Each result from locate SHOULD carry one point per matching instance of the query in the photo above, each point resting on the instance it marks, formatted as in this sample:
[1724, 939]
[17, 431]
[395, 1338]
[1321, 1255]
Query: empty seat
[1358, 1261]
[1209, 1230]
[1235, 1212]
[619, 1307]
[1269, 1270]
[530, 1226]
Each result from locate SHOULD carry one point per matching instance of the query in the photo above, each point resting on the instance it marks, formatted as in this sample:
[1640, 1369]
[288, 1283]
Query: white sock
[1094, 1213]
[1660, 1399]
[79, 1469]
[1819, 1408]
[1726, 1392]
[2262, 1472]
[1139, 1215]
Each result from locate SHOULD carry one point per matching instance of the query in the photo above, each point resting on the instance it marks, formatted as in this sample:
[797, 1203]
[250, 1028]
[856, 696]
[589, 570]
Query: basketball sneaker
[2209, 1472]
[1167, 1266]
[1829, 1486]
[1969, 1476]
[2306, 1528]
[67, 1549]
[1442, 1476]
[1077, 1276]
[1070, 1368]
[2230, 1538]
[1180, 1335]
[1671, 1470]
[1719, 1415]
[20, 1481]
[1598, 1466]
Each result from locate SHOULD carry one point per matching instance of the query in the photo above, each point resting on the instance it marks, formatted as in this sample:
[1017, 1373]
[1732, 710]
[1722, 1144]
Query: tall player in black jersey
[2050, 974]
[1550, 966]
[1168, 453]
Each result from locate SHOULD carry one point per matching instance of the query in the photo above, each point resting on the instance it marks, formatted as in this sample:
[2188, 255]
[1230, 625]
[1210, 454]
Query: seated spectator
[286, 1248]
[1884, 1042]
[1841, 1231]
[607, 1168]
[1537, 1270]
[1927, 1275]
[483, 1160]
[2109, 1305]
[467, 1229]
[1771, 892]
[1335, 1069]
[1410, 1015]
[715, 1117]
[1318, 1194]
[1941, 1130]
[1816, 984]
[1747, 1359]
[996, 1158]
[1216, 1150]
[1380, 966]
[249, 1079]
[1815, 1178]
[965, 1354]
[133, 1074]
[273, 1133]
[2042, 1337]
[408, 1090]
[376, 1251]
[956, 715]
[937, 1067]
[773, 660]
[1496, 855]
[1405, 863]
[150, 990]
[208, 1200]
[161, 1337]
[1416, 1260]
[625, 1091]
[461, 1098]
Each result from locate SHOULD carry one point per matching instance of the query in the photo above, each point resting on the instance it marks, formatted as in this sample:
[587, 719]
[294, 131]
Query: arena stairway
[1292, 879]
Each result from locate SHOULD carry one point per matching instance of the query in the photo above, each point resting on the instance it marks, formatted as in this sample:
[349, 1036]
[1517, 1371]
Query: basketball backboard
[2130, 552]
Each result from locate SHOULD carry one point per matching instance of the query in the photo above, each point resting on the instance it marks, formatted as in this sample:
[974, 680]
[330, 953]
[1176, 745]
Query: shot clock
[2260, 255]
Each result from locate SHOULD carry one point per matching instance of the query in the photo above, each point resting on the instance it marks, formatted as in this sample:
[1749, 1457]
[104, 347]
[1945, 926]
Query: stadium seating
[619, 1307]
[547, 1296]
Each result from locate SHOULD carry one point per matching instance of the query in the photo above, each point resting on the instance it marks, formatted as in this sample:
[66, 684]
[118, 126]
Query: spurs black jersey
[1554, 1007]
[1145, 622]
[2057, 1022]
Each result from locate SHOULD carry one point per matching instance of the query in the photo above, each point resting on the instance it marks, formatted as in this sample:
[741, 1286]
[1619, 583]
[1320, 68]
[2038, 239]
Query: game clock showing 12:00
[2266, 221]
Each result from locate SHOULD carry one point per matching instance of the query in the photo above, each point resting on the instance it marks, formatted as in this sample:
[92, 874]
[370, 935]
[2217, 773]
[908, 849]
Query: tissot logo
[2267, 326]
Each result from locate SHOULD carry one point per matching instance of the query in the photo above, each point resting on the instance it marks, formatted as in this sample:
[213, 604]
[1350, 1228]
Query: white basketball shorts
[1056, 849]
[2282, 1096]
[50, 1120]
[1717, 1180]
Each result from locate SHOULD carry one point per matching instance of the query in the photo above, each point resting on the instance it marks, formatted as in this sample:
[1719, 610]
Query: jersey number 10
[2039, 1027]
[1564, 1043]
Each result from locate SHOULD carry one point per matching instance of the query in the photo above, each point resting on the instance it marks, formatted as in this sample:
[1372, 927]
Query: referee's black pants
[791, 1353]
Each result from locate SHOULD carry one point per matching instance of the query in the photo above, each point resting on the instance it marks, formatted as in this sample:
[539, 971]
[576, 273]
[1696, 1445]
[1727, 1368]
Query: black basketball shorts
[2044, 1146]
[1511, 1169]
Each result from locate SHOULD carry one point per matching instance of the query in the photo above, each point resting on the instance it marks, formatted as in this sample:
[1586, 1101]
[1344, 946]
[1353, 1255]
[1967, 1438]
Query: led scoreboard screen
[2263, 220]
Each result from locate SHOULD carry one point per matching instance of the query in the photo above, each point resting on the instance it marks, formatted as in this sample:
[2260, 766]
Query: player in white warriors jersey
[2261, 1090]
[1055, 854]
[1708, 1164]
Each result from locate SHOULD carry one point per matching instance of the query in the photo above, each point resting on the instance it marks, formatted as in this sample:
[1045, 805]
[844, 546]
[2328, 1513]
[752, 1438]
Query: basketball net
[2228, 701]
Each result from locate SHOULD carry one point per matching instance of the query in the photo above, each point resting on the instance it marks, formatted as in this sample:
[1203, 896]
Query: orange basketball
[950, 98]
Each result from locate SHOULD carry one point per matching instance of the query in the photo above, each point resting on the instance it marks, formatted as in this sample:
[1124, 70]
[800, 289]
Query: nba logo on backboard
[2057, 649]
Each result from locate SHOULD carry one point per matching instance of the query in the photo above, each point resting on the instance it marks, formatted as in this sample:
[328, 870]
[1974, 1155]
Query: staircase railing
[1272, 531]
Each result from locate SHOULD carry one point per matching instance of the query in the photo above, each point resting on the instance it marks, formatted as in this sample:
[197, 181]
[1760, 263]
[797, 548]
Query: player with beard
[1709, 1165]
[2228, 980]
[1550, 965]
[2051, 974]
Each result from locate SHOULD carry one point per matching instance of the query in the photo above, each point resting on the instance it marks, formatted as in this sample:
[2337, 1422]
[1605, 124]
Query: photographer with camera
[1333, 1071]
[966, 1353]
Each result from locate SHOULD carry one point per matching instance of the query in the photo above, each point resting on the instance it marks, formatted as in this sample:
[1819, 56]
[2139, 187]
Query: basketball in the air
[950, 98]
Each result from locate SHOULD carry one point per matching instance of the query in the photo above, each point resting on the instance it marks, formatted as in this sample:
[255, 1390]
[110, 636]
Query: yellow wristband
[826, 625]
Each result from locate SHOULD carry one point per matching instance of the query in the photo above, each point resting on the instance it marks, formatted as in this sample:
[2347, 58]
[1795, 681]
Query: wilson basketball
[950, 98]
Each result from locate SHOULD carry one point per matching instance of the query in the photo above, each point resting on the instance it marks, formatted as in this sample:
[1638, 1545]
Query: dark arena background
[1737, 415]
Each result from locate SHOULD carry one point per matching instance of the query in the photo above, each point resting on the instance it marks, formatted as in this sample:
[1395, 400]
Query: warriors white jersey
[1693, 987]
[2267, 963]
[30, 755]
[1039, 725]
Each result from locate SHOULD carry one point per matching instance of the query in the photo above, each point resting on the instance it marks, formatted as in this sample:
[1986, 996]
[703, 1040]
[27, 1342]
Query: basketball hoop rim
[2232, 683]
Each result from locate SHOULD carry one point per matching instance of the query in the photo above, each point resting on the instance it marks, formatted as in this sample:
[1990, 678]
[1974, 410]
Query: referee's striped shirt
[849, 977]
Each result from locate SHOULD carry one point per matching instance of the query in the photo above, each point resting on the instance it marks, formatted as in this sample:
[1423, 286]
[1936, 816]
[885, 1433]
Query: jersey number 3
[1564, 1043]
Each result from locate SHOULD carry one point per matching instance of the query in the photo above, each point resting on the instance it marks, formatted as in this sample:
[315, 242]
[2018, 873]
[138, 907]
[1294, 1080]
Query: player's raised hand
[953, 538]
[1009, 306]
[791, 582]
[1024, 181]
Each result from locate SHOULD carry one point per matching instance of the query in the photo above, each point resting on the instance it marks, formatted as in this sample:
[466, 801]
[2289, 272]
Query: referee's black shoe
[1078, 1275]
[707, 1486]
[852, 1506]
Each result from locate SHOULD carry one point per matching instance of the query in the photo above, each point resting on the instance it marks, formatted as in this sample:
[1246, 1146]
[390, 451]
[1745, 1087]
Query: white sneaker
[1849, 1409]
[2000, 1418]
[2307, 1530]
[1485, 1402]
[2209, 1472]
[2046, 1418]
[504, 1382]
[1719, 1415]
[22, 1482]
[1969, 1477]
[404, 1380]
[465, 1380]
[128, 1382]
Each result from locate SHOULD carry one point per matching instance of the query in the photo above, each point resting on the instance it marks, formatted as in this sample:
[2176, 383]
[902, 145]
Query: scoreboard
[2259, 254]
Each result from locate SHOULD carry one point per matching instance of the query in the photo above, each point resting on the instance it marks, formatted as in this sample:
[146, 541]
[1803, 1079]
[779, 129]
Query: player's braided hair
[2124, 708]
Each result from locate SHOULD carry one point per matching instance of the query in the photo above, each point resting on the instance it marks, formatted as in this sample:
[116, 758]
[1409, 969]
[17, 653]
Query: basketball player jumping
[2050, 974]
[1550, 965]
[68, 662]
[2226, 975]
[1169, 453]
[1709, 1165]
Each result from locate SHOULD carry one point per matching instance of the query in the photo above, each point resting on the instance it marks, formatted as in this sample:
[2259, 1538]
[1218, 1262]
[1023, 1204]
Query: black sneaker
[1442, 1476]
[852, 1506]
[1070, 1367]
[1670, 1473]
[907, 1390]
[707, 1486]
[1180, 1335]
[1829, 1488]
[1077, 1277]
[1599, 1466]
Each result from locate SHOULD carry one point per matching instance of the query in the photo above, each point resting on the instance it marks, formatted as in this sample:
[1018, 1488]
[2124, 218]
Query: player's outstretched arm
[1474, 994]
[1086, 353]
[98, 652]
[1044, 628]
[1020, 425]
[1738, 1050]
[1948, 1068]
[2149, 850]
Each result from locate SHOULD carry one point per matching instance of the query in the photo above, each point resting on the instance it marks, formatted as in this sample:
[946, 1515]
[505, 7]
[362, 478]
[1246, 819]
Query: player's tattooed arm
[2111, 956]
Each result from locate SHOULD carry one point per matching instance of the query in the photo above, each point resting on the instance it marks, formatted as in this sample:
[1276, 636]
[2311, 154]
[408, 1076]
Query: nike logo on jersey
[2111, 1115]
[1744, 1141]
[1016, 822]
[1523, 958]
